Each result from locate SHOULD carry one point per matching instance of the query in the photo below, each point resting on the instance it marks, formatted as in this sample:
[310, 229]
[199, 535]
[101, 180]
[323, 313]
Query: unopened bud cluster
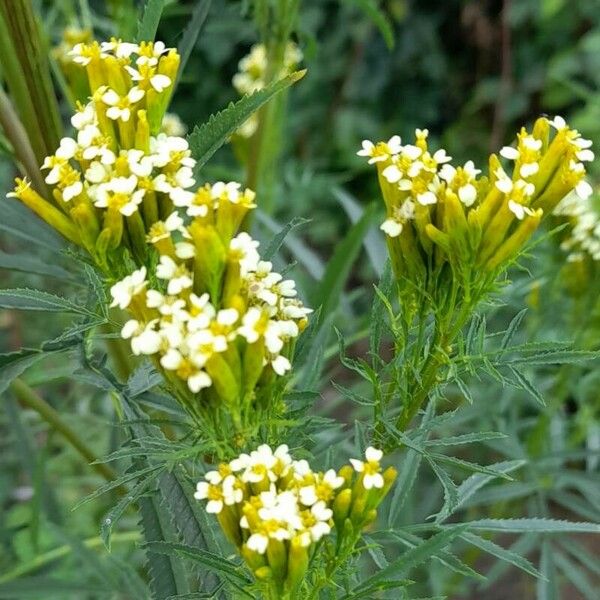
[439, 214]
[211, 312]
[253, 73]
[118, 175]
[275, 509]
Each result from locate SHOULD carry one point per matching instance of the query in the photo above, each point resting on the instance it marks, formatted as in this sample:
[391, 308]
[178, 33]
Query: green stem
[119, 352]
[27, 72]
[62, 551]
[34, 401]
[16, 134]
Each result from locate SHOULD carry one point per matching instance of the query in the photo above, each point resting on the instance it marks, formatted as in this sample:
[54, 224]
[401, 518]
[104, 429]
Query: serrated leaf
[148, 23]
[449, 487]
[213, 562]
[502, 553]
[381, 308]
[207, 138]
[111, 485]
[512, 329]
[536, 525]
[523, 383]
[26, 299]
[306, 256]
[466, 438]
[144, 378]
[474, 483]
[14, 364]
[188, 517]
[166, 572]
[415, 556]
[276, 243]
[114, 514]
[560, 357]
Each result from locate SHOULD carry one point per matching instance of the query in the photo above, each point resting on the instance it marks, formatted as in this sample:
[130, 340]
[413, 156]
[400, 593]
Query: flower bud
[230, 524]
[277, 557]
[264, 573]
[341, 507]
[223, 379]
[209, 261]
[56, 219]
[297, 563]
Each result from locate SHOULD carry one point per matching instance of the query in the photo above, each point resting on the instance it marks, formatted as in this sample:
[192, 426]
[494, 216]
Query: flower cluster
[118, 174]
[583, 238]
[252, 76]
[275, 509]
[439, 214]
[212, 314]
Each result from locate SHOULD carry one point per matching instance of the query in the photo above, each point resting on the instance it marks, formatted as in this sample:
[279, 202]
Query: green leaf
[276, 243]
[26, 299]
[307, 257]
[19, 221]
[512, 329]
[148, 23]
[533, 525]
[415, 556]
[144, 378]
[576, 576]
[473, 484]
[14, 364]
[190, 35]
[502, 553]
[213, 562]
[449, 487]
[188, 517]
[115, 513]
[166, 572]
[30, 587]
[373, 240]
[410, 467]
[523, 383]
[207, 138]
[547, 585]
[560, 357]
[466, 438]
[111, 485]
[338, 268]
[378, 18]
[381, 309]
[31, 264]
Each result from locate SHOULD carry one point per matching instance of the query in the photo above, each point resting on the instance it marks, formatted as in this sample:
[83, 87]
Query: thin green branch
[34, 401]
[55, 554]
[16, 134]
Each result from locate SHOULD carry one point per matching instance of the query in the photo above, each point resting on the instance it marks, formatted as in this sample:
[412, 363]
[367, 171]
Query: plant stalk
[33, 400]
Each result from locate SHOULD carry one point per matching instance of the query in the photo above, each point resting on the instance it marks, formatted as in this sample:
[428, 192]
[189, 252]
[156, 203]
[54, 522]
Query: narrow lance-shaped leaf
[339, 266]
[148, 23]
[190, 35]
[207, 138]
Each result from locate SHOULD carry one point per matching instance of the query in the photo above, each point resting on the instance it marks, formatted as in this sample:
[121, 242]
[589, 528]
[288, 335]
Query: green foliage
[149, 20]
[497, 461]
[207, 138]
